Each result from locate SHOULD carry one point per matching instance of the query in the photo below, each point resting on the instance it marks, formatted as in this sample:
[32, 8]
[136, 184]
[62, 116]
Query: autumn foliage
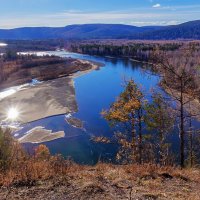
[21, 169]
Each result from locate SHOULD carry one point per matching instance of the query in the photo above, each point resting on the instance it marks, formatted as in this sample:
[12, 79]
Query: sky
[58, 13]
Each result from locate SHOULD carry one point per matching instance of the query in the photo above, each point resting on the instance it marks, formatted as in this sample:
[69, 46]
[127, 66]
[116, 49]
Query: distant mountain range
[188, 30]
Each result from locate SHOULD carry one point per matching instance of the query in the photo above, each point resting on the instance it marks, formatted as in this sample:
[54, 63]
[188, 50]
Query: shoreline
[58, 85]
[39, 135]
[46, 99]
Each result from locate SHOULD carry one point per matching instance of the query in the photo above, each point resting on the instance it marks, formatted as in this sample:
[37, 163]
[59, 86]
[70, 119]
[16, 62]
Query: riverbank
[47, 98]
[108, 181]
[43, 68]
[42, 100]
[39, 135]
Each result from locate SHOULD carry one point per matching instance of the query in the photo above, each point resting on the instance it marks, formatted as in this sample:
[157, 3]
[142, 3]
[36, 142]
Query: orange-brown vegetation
[177, 64]
[52, 179]
[44, 176]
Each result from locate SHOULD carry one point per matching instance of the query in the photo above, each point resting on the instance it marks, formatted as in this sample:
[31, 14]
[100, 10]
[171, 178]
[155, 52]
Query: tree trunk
[133, 132]
[182, 132]
[140, 135]
[191, 143]
[161, 148]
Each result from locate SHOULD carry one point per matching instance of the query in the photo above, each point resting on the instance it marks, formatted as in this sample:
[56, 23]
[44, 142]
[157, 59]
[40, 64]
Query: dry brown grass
[35, 177]
[43, 176]
[27, 170]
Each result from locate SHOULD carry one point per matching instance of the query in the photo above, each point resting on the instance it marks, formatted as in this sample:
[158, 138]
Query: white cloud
[138, 17]
[156, 5]
[155, 23]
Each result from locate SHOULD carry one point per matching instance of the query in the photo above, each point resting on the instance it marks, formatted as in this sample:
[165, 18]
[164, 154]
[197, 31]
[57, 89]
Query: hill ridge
[187, 30]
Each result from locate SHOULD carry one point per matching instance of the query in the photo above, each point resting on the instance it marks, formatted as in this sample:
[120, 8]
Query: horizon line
[80, 24]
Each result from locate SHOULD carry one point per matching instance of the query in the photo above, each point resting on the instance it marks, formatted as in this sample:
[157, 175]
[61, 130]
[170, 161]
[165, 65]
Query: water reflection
[94, 91]
[3, 44]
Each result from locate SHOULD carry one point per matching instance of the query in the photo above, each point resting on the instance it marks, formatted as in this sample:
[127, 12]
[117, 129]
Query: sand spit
[39, 135]
[46, 99]
[49, 98]
[43, 100]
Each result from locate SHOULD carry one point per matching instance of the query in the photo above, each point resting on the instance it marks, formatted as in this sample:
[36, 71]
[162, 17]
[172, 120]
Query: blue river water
[95, 91]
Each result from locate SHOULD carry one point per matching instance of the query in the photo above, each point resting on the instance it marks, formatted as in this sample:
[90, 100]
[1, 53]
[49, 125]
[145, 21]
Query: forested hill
[85, 31]
[188, 30]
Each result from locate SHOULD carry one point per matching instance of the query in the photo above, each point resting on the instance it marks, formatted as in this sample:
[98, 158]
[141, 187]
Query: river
[95, 91]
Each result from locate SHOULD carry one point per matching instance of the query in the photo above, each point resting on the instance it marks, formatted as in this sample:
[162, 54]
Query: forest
[177, 64]
[143, 128]
[139, 50]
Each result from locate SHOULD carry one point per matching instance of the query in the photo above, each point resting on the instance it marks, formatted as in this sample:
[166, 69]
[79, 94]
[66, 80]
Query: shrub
[42, 152]
[10, 150]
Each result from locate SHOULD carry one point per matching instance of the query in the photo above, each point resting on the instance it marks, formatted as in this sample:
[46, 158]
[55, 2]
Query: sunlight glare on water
[13, 114]
[3, 44]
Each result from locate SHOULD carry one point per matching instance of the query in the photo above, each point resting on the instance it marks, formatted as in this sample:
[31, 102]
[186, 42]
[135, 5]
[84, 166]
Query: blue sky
[21, 13]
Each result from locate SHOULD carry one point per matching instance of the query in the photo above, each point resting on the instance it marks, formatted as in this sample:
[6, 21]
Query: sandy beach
[43, 100]
[49, 98]
[40, 134]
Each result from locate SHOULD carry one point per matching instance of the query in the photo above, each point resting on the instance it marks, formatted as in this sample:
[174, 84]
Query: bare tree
[180, 79]
[160, 119]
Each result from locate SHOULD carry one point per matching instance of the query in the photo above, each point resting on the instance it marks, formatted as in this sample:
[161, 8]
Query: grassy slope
[111, 182]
